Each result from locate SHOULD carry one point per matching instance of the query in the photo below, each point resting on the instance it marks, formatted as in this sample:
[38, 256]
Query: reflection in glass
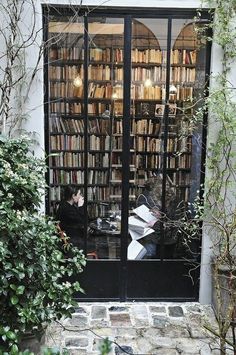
[66, 125]
[148, 93]
[105, 116]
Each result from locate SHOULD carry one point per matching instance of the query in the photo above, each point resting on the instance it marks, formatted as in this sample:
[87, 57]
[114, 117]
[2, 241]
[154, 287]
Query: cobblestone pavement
[137, 328]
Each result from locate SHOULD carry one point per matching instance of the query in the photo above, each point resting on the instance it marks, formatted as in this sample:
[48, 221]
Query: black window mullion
[85, 113]
[46, 105]
[125, 155]
[166, 124]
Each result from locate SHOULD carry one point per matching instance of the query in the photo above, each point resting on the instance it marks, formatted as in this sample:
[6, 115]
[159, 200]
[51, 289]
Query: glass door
[148, 99]
[104, 120]
[122, 96]
[168, 79]
[65, 109]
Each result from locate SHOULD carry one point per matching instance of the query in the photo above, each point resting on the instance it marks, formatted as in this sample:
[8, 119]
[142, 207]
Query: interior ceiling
[187, 38]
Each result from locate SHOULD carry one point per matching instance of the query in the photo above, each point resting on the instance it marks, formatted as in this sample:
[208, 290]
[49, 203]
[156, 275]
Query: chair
[92, 255]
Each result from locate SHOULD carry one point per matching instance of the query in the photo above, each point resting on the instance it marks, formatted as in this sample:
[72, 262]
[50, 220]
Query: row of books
[76, 160]
[148, 162]
[183, 93]
[155, 74]
[98, 177]
[117, 142]
[65, 72]
[96, 210]
[102, 125]
[149, 144]
[65, 89]
[148, 56]
[145, 126]
[67, 159]
[99, 143]
[183, 56]
[140, 91]
[142, 176]
[98, 108]
[116, 159]
[98, 160]
[59, 124]
[100, 72]
[58, 107]
[178, 56]
[100, 54]
[116, 175]
[103, 72]
[64, 142]
[77, 177]
[97, 91]
[182, 161]
[63, 177]
[155, 144]
[101, 160]
[66, 53]
[98, 193]
[139, 126]
[99, 126]
[144, 144]
[101, 91]
[104, 143]
[182, 74]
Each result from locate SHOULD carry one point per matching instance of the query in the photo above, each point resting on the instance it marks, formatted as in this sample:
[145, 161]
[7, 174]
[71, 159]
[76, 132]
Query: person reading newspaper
[151, 198]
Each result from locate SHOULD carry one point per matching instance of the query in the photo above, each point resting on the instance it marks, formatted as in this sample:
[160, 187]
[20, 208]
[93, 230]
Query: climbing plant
[216, 210]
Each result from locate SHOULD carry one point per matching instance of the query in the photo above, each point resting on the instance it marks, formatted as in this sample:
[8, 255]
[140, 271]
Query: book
[136, 235]
[144, 213]
[139, 224]
[136, 251]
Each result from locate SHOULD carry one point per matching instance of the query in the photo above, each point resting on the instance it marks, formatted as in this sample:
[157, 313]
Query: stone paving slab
[138, 328]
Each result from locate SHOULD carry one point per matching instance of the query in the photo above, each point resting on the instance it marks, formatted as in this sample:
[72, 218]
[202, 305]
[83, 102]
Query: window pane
[148, 94]
[105, 115]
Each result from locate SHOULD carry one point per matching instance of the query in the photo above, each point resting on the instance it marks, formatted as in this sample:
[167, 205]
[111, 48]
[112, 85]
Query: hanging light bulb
[173, 89]
[77, 82]
[147, 83]
[114, 96]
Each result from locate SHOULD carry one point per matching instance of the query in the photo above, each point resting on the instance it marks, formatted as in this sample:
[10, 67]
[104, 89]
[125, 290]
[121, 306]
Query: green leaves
[14, 300]
[32, 260]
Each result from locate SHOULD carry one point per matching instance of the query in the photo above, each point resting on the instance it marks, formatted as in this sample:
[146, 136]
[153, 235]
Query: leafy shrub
[35, 271]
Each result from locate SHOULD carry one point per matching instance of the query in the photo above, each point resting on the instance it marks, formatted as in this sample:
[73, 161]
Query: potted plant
[35, 271]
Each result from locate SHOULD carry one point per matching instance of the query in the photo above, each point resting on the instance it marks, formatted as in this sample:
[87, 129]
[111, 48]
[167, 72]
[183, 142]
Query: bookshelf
[86, 133]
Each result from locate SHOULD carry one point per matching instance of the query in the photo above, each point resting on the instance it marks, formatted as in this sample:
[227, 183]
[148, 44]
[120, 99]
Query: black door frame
[121, 280]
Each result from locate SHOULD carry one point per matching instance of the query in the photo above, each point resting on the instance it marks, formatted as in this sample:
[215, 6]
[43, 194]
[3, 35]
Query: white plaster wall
[26, 99]
[34, 104]
[131, 3]
[205, 272]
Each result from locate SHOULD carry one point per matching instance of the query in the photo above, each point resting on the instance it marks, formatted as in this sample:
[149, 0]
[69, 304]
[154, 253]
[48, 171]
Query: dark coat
[71, 220]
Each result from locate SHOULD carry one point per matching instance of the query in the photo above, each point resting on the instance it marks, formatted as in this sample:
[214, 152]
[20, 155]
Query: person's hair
[154, 188]
[69, 191]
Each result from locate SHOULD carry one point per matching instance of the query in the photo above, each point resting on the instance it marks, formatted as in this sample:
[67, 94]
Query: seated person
[70, 215]
[151, 197]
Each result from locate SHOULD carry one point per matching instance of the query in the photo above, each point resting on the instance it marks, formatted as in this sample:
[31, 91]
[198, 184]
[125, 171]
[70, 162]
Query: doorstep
[141, 328]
